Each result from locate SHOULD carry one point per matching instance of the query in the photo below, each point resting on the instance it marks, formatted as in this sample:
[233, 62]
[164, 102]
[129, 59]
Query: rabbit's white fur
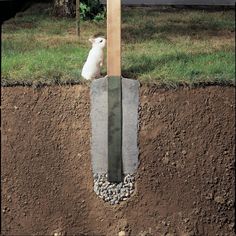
[91, 68]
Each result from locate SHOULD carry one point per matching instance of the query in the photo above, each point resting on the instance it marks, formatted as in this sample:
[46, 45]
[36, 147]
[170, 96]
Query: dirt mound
[185, 181]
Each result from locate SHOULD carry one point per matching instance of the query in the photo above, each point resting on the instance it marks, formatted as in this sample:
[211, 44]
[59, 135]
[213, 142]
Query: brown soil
[185, 181]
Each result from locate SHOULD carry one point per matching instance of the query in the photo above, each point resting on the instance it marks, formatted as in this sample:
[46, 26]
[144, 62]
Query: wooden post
[114, 38]
[77, 18]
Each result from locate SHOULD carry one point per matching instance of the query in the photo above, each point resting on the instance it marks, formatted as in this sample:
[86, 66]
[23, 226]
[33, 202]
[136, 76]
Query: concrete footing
[99, 124]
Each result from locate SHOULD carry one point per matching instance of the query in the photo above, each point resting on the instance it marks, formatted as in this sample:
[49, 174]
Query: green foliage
[84, 11]
[92, 10]
[100, 16]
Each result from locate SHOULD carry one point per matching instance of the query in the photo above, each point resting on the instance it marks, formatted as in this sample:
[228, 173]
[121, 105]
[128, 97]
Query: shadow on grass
[144, 64]
[177, 8]
[149, 31]
[35, 19]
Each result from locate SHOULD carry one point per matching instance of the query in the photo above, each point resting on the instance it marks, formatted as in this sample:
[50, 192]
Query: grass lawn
[168, 47]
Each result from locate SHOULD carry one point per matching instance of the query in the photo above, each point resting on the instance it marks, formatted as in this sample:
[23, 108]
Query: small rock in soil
[184, 152]
[121, 233]
[219, 199]
[165, 160]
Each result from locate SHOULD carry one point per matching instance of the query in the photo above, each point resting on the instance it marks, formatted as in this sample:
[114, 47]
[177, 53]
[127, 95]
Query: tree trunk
[64, 8]
[77, 18]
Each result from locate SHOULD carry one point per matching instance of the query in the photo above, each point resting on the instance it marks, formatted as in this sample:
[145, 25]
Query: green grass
[163, 47]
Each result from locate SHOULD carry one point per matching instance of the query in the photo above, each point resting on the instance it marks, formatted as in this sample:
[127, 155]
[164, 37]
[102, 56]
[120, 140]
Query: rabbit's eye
[101, 41]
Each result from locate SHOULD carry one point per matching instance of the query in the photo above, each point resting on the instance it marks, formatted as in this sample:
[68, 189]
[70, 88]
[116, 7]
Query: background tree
[64, 8]
[77, 10]
[89, 9]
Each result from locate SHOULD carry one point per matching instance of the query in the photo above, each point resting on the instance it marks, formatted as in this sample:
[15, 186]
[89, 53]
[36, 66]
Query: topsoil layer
[185, 180]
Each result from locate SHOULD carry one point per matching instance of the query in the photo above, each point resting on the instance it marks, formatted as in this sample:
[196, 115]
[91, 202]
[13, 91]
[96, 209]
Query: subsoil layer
[184, 183]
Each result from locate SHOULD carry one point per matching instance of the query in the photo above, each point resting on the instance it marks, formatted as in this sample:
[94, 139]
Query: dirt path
[185, 181]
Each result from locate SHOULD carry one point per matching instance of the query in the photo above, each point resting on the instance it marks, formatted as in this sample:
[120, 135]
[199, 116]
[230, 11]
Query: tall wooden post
[77, 18]
[114, 38]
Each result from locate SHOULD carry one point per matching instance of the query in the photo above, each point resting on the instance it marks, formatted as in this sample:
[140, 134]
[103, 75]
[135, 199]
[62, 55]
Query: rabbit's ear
[92, 40]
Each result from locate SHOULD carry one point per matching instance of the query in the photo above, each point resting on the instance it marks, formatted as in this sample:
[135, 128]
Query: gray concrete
[130, 103]
[177, 2]
[99, 123]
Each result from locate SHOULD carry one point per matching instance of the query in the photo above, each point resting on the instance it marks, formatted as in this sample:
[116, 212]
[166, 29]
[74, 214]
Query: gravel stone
[113, 193]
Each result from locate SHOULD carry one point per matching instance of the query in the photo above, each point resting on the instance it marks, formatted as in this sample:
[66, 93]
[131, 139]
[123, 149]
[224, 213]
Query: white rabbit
[91, 68]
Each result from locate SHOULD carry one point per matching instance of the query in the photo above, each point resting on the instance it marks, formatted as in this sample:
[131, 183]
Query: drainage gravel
[112, 192]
